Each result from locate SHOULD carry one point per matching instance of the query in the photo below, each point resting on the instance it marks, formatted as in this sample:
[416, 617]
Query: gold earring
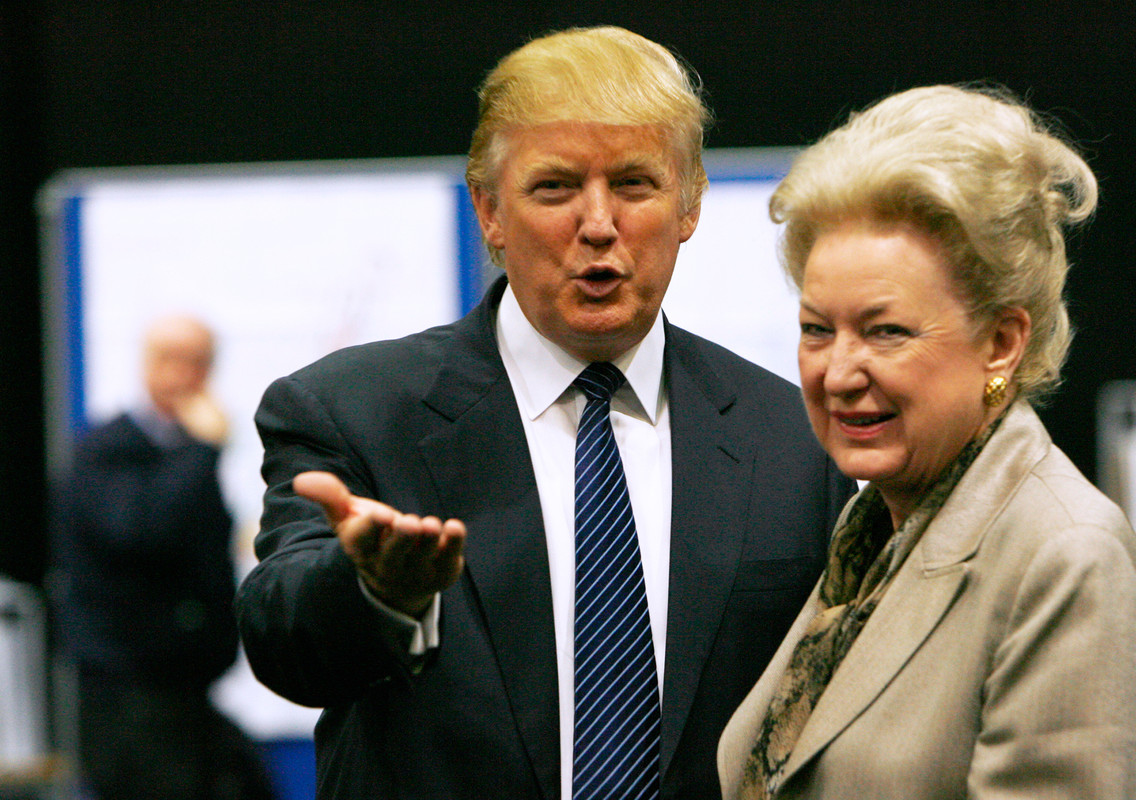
[995, 392]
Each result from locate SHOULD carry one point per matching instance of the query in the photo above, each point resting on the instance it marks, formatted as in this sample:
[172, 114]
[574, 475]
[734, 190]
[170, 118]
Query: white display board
[727, 285]
[289, 262]
[284, 268]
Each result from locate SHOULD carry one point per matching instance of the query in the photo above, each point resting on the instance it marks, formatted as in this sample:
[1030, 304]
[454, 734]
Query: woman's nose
[847, 367]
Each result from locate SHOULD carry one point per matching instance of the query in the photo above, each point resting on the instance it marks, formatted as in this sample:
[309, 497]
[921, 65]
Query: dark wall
[127, 82]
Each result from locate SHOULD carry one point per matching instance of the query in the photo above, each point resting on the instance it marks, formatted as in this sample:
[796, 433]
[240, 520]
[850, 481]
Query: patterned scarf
[863, 558]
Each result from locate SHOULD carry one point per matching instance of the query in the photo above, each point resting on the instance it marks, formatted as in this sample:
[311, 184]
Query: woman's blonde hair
[606, 75]
[977, 170]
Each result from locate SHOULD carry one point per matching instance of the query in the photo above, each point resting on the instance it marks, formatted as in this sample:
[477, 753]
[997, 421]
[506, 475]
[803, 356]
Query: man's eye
[551, 189]
[634, 184]
[813, 329]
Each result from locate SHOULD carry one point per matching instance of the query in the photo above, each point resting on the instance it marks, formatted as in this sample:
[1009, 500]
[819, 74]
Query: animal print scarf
[863, 558]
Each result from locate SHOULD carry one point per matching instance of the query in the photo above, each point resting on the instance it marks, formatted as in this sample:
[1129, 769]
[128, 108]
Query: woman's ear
[1008, 340]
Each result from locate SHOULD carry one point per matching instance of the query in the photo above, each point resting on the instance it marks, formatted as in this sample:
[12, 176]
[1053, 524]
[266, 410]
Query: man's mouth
[600, 273]
[599, 281]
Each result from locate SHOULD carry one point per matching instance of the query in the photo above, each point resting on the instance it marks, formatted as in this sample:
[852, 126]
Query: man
[445, 652]
[146, 586]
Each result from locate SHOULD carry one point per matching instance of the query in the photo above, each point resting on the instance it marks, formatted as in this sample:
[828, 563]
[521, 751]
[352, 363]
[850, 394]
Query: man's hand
[403, 558]
[202, 418]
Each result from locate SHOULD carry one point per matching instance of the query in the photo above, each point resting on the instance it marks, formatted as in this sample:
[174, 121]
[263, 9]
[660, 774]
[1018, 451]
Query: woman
[974, 634]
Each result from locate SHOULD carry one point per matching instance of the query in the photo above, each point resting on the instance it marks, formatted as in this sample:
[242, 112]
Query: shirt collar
[545, 370]
[160, 429]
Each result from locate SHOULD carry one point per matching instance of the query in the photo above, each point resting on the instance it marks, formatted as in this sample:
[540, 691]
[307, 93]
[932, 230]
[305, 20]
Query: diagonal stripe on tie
[616, 739]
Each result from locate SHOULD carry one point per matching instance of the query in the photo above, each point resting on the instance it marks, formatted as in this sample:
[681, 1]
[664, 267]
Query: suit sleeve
[309, 632]
[1059, 703]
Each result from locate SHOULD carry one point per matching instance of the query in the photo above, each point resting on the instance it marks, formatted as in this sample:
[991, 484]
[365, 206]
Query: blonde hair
[978, 171]
[607, 75]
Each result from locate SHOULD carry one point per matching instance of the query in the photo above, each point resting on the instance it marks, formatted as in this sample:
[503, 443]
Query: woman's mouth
[863, 420]
[862, 425]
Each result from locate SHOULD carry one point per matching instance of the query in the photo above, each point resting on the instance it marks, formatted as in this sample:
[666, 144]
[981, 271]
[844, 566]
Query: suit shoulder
[117, 433]
[1057, 484]
[1053, 520]
[408, 358]
[736, 371]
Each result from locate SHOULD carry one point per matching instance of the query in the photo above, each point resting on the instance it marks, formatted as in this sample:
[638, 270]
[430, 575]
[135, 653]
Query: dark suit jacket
[146, 583]
[429, 424]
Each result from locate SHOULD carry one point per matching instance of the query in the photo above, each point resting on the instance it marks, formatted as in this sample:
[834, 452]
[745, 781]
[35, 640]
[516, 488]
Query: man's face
[179, 354]
[588, 219]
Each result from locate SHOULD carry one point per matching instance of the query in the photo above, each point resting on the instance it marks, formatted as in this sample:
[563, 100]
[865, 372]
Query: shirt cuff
[417, 635]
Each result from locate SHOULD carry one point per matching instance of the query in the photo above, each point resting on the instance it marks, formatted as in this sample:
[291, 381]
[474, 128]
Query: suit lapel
[484, 476]
[710, 479]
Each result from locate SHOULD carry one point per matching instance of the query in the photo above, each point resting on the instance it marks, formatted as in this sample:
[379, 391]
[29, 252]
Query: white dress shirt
[541, 374]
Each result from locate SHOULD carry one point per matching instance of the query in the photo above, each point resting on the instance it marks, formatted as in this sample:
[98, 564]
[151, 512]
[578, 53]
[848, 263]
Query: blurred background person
[145, 588]
[974, 633]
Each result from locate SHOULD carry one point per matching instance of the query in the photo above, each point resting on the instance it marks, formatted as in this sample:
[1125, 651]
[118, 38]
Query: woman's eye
[890, 331]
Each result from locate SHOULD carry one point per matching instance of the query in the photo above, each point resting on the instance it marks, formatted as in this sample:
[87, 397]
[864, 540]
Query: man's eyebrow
[639, 163]
[551, 164]
[552, 161]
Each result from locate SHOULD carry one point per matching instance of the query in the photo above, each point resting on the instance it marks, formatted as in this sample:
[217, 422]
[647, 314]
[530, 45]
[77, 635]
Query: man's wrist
[414, 607]
[420, 633]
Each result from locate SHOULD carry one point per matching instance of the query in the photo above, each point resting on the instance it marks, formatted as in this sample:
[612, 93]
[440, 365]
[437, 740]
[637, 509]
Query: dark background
[92, 83]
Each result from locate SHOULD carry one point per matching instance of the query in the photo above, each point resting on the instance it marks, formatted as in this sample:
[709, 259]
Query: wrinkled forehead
[569, 141]
[565, 142]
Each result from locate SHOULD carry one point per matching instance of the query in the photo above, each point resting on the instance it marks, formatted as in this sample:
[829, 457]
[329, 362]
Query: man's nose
[598, 223]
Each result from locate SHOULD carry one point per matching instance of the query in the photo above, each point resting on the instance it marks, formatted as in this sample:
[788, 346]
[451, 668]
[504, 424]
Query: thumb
[327, 490]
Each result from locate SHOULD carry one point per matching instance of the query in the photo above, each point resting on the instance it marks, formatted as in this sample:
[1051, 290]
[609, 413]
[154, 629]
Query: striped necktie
[616, 741]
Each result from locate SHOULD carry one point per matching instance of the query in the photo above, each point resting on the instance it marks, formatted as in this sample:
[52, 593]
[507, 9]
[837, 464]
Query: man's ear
[689, 222]
[1008, 340]
[485, 204]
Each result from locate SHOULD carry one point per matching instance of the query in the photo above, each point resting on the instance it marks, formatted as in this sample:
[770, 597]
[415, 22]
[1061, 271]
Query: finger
[451, 537]
[415, 557]
[454, 528]
[420, 528]
[421, 539]
[327, 490]
[450, 548]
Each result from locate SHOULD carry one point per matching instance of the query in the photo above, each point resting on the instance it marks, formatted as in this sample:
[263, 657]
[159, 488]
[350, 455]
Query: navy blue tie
[616, 742]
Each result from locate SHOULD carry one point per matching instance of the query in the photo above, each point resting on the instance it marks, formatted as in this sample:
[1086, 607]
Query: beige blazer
[1000, 663]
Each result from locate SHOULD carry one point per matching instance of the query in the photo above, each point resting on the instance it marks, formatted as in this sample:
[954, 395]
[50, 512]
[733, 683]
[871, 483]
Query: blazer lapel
[484, 476]
[906, 615]
[706, 529]
[927, 584]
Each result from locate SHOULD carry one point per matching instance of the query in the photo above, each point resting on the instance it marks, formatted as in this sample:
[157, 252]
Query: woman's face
[891, 369]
